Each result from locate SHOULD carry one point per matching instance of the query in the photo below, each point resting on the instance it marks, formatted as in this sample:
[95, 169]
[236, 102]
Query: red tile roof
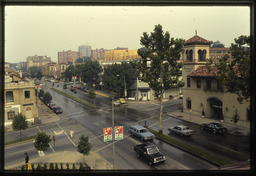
[202, 71]
[197, 40]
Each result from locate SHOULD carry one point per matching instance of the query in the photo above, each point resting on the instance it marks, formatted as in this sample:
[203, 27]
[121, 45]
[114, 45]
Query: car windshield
[186, 128]
[143, 131]
[153, 150]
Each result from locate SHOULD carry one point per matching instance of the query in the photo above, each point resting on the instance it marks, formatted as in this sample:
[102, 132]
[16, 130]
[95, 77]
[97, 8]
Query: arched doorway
[215, 108]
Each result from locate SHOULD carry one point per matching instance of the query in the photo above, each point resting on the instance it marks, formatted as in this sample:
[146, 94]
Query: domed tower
[196, 51]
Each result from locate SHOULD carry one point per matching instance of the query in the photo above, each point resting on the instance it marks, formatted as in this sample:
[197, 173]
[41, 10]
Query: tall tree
[84, 146]
[159, 66]
[90, 72]
[19, 122]
[92, 95]
[47, 97]
[42, 141]
[235, 76]
[35, 72]
[216, 44]
[69, 72]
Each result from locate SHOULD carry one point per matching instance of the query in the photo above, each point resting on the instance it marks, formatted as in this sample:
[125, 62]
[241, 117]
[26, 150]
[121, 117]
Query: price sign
[119, 133]
[107, 134]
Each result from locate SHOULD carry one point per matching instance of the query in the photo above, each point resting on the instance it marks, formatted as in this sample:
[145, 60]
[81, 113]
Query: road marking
[38, 129]
[50, 144]
[67, 135]
[227, 148]
[58, 132]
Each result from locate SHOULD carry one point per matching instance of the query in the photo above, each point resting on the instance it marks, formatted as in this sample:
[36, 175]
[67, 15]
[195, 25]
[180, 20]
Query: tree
[116, 75]
[235, 76]
[216, 44]
[159, 67]
[19, 122]
[92, 95]
[90, 72]
[84, 146]
[65, 86]
[69, 72]
[35, 72]
[79, 60]
[41, 93]
[42, 141]
[47, 97]
[236, 117]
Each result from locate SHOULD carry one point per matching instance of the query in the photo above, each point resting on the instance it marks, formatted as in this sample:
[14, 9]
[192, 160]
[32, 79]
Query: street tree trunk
[161, 116]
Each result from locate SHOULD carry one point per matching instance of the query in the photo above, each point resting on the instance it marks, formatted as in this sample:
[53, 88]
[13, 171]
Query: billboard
[107, 134]
[119, 133]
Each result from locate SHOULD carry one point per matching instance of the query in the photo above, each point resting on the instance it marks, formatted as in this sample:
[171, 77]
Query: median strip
[26, 139]
[218, 161]
[75, 99]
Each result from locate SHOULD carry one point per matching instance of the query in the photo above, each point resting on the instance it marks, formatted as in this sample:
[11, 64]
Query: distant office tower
[68, 56]
[85, 50]
[98, 54]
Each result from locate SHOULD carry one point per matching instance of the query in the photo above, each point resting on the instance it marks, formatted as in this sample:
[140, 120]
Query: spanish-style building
[202, 91]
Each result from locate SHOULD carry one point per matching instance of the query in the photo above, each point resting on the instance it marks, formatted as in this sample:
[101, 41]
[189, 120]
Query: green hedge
[76, 99]
[199, 152]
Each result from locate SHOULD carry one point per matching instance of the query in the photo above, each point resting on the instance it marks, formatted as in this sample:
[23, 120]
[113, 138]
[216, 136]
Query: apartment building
[37, 61]
[68, 56]
[121, 54]
[217, 53]
[202, 91]
[85, 50]
[98, 54]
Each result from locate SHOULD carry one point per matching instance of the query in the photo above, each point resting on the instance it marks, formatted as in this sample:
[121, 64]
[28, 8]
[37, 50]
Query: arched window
[201, 55]
[191, 55]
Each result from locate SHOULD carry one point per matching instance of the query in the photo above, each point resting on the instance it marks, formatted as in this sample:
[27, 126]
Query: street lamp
[113, 133]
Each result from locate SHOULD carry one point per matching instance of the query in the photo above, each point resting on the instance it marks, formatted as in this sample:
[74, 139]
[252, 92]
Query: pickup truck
[150, 153]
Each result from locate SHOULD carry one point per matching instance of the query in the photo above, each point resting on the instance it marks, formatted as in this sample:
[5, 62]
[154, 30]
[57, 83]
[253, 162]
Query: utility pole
[125, 91]
[113, 133]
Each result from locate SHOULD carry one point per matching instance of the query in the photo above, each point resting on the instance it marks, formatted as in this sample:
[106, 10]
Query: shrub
[73, 166]
[45, 166]
[75, 92]
[51, 166]
[38, 167]
[67, 166]
[23, 167]
[56, 166]
[61, 166]
[81, 167]
[65, 86]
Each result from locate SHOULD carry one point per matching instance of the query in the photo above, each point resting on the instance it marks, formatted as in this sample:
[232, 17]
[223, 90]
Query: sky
[47, 30]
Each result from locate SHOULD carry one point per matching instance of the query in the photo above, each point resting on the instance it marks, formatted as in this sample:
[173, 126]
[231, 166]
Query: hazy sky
[46, 30]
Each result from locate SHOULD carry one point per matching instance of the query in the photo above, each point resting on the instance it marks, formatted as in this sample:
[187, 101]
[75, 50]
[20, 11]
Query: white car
[181, 130]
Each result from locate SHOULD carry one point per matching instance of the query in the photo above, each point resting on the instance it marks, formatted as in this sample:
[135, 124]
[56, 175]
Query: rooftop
[197, 40]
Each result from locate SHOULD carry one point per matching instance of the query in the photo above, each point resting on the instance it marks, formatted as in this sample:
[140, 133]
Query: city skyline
[47, 30]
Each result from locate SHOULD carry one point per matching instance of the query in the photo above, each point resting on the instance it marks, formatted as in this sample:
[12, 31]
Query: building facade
[121, 54]
[217, 53]
[85, 50]
[20, 97]
[98, 54]
[37, 61]
[202, 91]
[68, 56]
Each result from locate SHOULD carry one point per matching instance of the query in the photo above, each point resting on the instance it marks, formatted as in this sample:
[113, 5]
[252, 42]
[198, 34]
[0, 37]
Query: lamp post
[113, 133]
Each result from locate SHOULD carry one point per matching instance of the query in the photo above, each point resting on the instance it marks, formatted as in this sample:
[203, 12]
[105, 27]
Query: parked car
[181, 130]
[52, 105]
[117, 103]
[72, 88]
[141, 133]
[180, 96]
[150, 153]
[214, 127]
[170, 96]
[122, 100]
[49, 104]
[57, 110]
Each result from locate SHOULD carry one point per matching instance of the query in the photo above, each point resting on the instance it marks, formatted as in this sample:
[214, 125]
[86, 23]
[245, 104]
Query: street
[83, 120]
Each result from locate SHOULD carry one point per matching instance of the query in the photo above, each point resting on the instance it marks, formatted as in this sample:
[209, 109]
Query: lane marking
[227, 148]
[67, 135]
[49, 144]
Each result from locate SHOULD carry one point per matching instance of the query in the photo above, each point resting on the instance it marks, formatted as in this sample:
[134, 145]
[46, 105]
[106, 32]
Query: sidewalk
[199, 120]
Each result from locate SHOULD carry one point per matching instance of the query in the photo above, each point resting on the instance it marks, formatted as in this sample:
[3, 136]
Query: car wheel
[138, 155]
[201, 128]
[181, 134]
[150, 163]
[141, 138]
[214, 131]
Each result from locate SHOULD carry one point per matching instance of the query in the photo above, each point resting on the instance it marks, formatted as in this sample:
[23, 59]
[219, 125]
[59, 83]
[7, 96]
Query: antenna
[196, 32]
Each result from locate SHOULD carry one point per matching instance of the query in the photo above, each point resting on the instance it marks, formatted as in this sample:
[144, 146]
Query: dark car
[57, 110]
[72, 88]
[214, 127]
[52, 105]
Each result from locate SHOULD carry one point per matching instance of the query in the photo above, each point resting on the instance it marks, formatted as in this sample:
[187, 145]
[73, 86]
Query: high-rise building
[98, 54]
[85, 50]
[68, 56]
[37, 60]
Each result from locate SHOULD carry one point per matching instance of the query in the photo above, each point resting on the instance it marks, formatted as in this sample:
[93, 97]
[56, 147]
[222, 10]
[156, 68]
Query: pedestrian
[53, 139]
[26, 158]
[71, 133]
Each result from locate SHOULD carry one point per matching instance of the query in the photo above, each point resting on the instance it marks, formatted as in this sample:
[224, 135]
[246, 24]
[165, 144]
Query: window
[188, 82]
[10, 115]
[224, 51]
[9, 97]
[188, 104]
[27, 94]
[218, 51]
[219, 86]
[208, 84]
[198, 84]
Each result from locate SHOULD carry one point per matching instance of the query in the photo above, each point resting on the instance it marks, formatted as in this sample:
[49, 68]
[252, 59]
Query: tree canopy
[42, 141]
[159, 66]
[90, 72]
[35, 72]
[216, 44]
[47, 97]
[84, 147]
[116, 75]
[19, 122]
[236, 76]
